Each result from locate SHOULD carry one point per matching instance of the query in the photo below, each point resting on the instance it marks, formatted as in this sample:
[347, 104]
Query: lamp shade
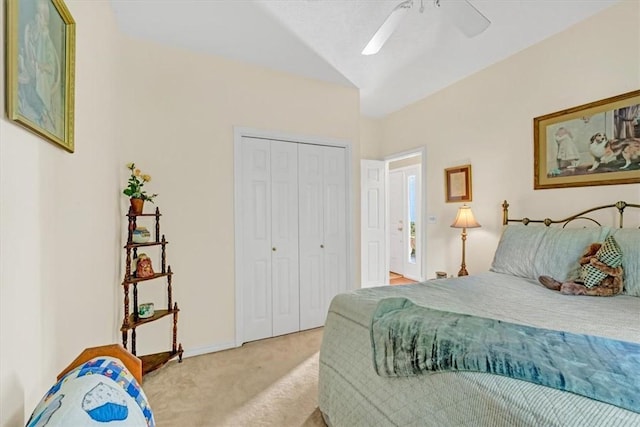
[465, 218]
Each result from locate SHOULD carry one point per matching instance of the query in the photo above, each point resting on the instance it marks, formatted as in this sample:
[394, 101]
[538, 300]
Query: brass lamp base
[463, 266]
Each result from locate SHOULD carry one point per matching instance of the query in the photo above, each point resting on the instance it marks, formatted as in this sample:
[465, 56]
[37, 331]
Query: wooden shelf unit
[131, 320]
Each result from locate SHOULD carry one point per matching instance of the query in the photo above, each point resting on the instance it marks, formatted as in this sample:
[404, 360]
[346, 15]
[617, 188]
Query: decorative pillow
[517, 250]
[628, 239]
[532, 251]
[608, 254]
[561, 248]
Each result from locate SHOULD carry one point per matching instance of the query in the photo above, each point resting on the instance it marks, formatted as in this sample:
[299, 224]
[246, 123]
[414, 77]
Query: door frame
[241, 132]
[419, 151]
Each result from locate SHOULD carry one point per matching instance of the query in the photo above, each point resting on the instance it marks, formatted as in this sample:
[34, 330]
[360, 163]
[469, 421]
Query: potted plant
[137, 195]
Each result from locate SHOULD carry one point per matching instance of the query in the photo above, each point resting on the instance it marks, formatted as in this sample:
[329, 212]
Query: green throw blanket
[409, 340]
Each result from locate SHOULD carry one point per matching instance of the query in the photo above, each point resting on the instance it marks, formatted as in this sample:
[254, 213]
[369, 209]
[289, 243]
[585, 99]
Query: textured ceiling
[322, 39]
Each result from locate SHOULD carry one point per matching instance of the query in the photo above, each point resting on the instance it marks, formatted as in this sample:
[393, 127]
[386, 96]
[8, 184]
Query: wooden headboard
[620, 206]
[131, 362]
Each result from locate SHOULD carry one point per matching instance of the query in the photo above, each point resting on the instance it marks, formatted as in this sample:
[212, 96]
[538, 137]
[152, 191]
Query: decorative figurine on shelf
[143, 266]
[134, 189]
[140, 235]
[145, 310]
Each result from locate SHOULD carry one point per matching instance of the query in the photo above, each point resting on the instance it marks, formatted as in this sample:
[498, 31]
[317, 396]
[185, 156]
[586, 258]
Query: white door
[334, 225]
[284, 238]
[397, 222]
[322, 230]
[256, 238]
[372, 210]
[270, 238]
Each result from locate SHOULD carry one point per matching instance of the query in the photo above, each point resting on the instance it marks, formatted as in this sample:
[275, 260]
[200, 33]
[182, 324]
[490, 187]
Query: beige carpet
[272, 382]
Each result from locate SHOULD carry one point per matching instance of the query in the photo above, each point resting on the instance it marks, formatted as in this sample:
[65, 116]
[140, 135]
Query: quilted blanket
[99, 392]
[408, 339]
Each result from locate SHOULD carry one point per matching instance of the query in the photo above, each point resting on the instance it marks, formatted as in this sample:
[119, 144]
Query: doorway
[404, 219]
[392, 218]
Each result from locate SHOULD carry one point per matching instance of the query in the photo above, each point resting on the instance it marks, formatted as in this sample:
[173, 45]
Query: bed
[364, 381]
[100, 387]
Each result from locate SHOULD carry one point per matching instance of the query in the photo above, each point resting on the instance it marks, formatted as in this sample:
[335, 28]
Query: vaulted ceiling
[323, 39]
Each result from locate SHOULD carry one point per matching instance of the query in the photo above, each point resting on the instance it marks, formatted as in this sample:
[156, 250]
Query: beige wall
[371, 138]
[486, 120]
[173, 113]
[179, 117]
[59, 228]
[409, 161]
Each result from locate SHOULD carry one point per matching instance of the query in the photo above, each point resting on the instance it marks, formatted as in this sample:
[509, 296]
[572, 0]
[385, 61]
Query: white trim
[209, 349]
[406, 154]
[238, 133]
[237, 207]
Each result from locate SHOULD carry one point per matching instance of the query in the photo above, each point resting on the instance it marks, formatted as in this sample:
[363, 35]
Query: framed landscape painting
[40, 61]
[591, 144]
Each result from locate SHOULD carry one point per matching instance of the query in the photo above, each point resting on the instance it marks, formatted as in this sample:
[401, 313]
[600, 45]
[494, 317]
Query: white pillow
[532, 251]
[628, 240]
[517, 250]
[561, 249]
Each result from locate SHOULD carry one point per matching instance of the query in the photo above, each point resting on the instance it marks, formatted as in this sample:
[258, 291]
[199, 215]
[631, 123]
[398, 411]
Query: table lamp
[464, 220]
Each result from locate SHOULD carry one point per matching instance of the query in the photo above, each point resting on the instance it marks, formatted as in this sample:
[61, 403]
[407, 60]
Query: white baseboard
[209, 349]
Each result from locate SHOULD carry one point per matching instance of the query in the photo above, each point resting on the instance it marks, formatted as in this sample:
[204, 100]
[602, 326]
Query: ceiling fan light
[465, 16]
[387, 28]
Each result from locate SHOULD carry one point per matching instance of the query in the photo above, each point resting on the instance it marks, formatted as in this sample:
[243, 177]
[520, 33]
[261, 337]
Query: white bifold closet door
[322, 224]
[270, 238]
[294, 246]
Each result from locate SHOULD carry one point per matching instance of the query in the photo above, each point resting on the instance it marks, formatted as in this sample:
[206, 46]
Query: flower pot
[136, 206]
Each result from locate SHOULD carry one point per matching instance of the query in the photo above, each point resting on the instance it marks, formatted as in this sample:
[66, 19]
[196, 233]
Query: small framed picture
[457, 181]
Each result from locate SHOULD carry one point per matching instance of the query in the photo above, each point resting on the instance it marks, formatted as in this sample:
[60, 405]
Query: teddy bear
[612, 284]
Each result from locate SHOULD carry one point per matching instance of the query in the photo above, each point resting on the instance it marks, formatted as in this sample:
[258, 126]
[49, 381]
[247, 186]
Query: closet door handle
[322, 246]
[273, 249]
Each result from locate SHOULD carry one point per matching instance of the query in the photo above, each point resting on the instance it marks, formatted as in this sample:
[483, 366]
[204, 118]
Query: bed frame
[131, 362]
[620, 206]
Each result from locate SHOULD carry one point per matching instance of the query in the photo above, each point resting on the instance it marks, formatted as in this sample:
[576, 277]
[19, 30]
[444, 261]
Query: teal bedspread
[409, 340]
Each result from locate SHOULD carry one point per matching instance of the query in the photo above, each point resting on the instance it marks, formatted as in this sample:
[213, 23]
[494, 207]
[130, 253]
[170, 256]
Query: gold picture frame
[591, 144]
[457, 183]
[40, 61]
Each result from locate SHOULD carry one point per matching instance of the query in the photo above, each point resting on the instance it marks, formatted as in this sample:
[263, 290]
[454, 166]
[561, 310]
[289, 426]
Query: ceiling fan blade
[465, 16]
[387, 28]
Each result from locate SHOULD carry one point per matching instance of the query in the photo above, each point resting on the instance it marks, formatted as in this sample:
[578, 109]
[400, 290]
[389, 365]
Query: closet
[292, 246]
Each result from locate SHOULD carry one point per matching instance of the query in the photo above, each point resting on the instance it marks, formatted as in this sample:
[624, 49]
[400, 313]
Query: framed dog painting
[40, 68]
[591, 144]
